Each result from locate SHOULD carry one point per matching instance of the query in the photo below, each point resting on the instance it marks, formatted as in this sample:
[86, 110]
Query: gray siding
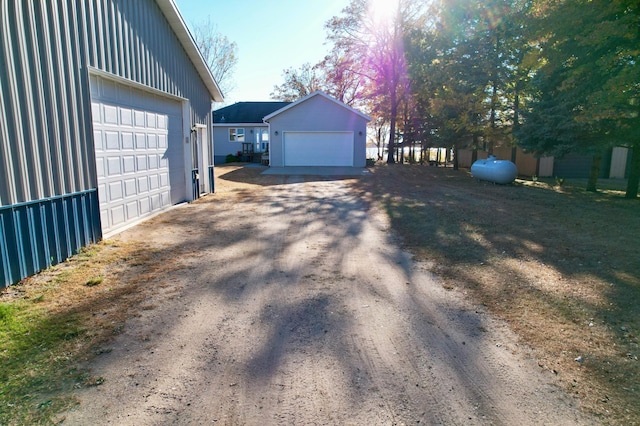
[47, 49]
[44, 105]
[318, 114]
[224, 147]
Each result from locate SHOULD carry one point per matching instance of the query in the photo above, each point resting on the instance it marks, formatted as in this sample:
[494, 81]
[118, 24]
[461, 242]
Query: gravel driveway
[288, 302]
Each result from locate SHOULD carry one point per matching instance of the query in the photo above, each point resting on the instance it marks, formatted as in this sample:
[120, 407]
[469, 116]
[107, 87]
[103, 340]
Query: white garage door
[318, 148]
[139, 153]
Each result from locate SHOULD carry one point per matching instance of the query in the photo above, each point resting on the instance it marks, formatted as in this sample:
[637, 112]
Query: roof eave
[230, 124]
[171, 12]
[309, 96]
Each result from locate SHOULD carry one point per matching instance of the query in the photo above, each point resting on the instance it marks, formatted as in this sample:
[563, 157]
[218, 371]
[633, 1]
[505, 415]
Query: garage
[318, 148]
[317, 130]
[140, 159]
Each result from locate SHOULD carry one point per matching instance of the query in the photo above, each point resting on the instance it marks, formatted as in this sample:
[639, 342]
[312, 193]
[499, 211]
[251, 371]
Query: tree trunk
[595, 171]
[391, 148]
[455, 158]
[494, 95]
[634, 172]
[516, 119]
[474, 153]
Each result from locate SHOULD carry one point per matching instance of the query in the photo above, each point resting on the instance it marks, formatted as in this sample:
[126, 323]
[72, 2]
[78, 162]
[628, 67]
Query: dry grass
[559, 264]
[55, 322]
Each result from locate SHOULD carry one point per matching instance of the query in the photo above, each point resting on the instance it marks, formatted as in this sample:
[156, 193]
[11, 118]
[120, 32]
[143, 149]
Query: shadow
[253, 175]
[295, 274]
[303, 326]
[543, 257]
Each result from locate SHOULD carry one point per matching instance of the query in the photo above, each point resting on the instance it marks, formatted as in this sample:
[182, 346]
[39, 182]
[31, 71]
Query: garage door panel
[143, 184]
[112, 140]
[127, 141]
[145, 205]
[115, 191]
[100, 167]
[117, 215]
[113, 166]
[155, 202]
[129, 164]
[139, 119]
[139, 156]
[126, 117]
[132, 210]
[110, 114]
[154, 182]
[141, 140]
[130, 188]
[153, 162]
[141, 163]
[318, 149]
[162, 122]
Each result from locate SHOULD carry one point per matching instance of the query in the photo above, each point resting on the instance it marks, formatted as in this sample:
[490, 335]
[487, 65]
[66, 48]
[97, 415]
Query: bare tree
[299, 83]
[220, 54]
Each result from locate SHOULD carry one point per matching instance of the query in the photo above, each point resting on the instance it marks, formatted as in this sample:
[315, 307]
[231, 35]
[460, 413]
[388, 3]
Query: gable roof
[246, 112]
[171, 12]
[311, 95]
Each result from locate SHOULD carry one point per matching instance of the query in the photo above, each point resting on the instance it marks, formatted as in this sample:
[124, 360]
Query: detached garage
[317, 130]
[105, 119]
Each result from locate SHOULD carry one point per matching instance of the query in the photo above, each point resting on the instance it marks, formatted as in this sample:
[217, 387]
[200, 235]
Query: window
[236, 135]
[264, 136]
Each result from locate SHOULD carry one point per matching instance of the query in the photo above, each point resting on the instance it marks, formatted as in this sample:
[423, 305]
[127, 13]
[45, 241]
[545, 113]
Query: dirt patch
[284, 300]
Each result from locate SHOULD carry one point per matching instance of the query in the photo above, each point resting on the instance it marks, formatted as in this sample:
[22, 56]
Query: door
[139, 152]
[318, 148]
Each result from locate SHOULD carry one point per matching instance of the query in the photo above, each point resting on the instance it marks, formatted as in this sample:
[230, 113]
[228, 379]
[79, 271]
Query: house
[317, 130]
[240, 126]
[105, 119]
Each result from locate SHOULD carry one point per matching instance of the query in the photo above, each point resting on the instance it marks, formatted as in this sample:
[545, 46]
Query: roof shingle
[246, 112]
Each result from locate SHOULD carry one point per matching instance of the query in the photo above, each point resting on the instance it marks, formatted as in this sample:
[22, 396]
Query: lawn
[54, 322]
[559, 264]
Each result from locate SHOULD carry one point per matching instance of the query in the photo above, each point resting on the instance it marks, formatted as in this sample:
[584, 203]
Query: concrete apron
[317, 171]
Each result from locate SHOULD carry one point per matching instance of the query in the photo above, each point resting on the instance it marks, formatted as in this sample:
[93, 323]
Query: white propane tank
[494, 170]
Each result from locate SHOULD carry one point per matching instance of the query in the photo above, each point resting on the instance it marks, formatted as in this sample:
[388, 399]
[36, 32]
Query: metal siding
[45, 112]
[47, 159]
[574, 166]
[36, 235]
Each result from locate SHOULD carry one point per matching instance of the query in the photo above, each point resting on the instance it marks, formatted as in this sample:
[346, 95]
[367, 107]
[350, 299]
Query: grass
[32, 352]
[48, 325]
[559, 264]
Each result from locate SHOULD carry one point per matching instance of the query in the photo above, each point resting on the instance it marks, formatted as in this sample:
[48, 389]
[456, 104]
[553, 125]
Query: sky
[272, 35]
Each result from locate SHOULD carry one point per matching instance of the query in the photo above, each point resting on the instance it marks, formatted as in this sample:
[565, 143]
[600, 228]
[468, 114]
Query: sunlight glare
[383, 10]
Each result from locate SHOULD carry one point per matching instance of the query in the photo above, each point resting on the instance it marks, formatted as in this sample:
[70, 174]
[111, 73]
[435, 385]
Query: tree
[340, 79]
[299, 83]
[220, 54]
[469, 71]
[370, 34]
[588, 91]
